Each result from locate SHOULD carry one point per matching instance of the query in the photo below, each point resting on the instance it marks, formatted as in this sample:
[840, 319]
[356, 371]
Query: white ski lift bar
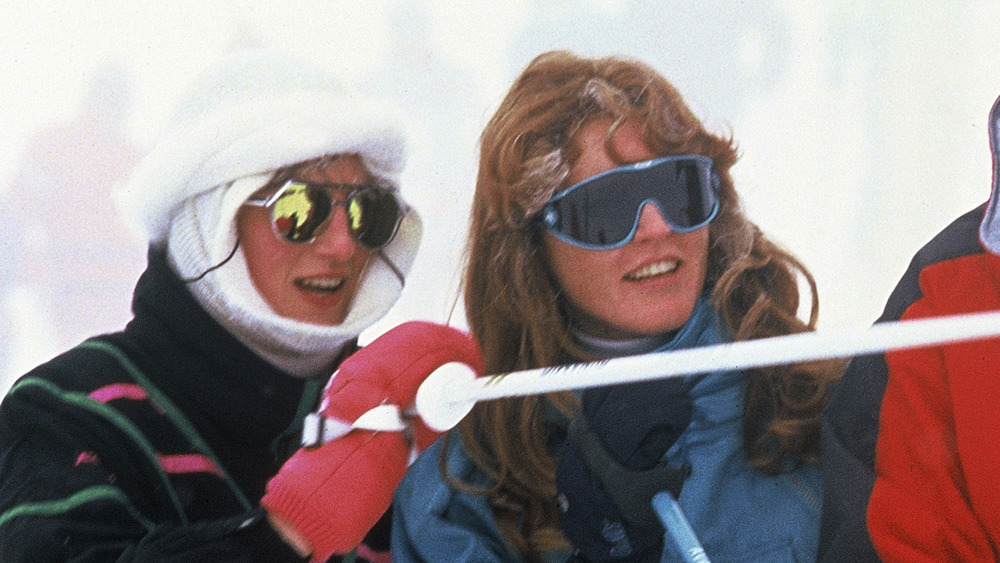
[449, 393]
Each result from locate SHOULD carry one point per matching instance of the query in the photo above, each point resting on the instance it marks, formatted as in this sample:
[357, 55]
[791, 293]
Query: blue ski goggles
[602, 212]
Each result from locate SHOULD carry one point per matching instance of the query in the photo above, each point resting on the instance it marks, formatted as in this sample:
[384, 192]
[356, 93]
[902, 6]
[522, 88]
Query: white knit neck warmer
[203, 234]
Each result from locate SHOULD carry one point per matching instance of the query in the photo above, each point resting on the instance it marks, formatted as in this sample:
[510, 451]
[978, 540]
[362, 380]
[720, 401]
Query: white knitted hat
[245, 117]
[989, 229]
[255, 112]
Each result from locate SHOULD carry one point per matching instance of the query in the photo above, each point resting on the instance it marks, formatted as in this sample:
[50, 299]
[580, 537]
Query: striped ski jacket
[152, 444]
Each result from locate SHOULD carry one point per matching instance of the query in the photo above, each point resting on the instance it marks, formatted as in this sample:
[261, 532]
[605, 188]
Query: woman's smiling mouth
[320, 285]
[653, 270]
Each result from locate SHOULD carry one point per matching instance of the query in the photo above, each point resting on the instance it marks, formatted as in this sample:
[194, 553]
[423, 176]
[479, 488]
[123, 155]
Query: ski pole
[449, 393]
[678, 529]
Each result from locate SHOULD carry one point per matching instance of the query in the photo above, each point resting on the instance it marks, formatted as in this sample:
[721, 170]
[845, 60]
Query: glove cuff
[333, 495]
[301, 515]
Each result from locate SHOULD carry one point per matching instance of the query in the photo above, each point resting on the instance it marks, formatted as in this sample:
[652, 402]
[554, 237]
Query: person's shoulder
[65, 396]
[424, 478]
[959, 239]
[83, 369]
[427, 467]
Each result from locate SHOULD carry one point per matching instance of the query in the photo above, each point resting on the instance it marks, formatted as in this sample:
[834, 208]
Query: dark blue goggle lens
[602, 212]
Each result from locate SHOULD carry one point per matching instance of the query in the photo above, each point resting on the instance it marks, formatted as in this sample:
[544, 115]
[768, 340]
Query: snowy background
[862, 125]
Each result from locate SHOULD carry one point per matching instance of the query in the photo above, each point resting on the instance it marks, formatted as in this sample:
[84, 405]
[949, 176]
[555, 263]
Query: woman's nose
[336, 241]
[651, 222]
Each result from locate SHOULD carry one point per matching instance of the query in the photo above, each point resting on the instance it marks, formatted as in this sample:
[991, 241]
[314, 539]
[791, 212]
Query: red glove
[334, 493]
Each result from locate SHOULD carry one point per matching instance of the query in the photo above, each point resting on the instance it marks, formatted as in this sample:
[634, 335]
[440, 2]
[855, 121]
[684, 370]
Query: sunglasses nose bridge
[335, 238]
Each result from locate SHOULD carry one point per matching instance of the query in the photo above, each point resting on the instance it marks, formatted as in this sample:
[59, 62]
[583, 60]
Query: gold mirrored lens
[355, 213]
[299, 213]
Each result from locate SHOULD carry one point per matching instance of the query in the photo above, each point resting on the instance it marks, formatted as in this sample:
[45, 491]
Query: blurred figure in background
[69, 261]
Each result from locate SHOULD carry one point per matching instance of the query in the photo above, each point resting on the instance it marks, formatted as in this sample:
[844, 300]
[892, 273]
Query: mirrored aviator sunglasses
[301, 211]
[602, 212]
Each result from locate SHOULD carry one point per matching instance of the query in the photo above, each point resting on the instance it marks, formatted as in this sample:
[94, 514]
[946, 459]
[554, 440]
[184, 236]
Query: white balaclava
[989, 229]
[243, 119]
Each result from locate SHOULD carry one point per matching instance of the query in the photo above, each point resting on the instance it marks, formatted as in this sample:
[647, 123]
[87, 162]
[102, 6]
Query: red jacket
[937, 471]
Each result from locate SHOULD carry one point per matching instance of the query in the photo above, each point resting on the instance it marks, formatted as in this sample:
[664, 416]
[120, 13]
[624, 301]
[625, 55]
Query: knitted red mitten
[334, 493]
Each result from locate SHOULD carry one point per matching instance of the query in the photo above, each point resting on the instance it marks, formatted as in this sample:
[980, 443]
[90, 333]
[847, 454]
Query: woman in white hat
[276, 235]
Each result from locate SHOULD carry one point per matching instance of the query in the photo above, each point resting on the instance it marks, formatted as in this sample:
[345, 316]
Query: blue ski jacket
[737, 512]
